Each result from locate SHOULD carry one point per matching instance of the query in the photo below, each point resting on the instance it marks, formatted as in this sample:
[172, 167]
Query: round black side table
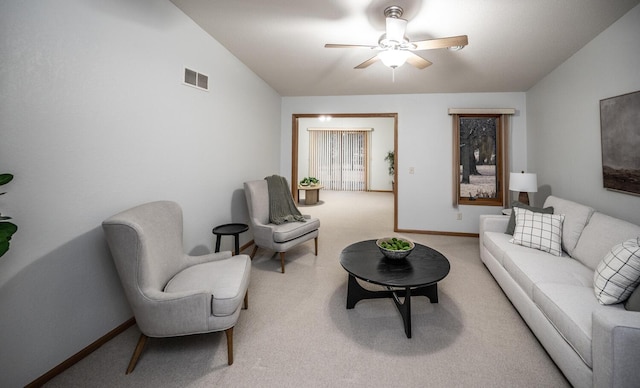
[229, 230]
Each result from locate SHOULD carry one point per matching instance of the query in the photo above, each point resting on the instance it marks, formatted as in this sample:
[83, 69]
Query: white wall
[424, 143]
[563, 118]
[94, 119]
[380, 143]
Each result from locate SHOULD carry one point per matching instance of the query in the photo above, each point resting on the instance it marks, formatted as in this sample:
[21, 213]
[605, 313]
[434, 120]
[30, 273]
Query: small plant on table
[309, 181]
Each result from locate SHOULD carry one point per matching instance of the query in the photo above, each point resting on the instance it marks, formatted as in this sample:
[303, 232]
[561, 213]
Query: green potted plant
[7, 229]
[391, 160]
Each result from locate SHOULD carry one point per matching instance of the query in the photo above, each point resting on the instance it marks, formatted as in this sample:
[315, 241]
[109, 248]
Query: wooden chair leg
[253, 253]
[136, 353]
[282, 261]
[316, 243]
[229, 333]
[246, 300]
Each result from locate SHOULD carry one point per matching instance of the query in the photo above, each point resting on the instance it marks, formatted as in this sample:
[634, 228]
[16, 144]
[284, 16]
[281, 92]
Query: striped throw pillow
[538, 230]
[618, 274]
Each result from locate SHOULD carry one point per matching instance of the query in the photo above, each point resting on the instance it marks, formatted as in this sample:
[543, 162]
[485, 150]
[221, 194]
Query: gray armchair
[171, 293]
[279, 238]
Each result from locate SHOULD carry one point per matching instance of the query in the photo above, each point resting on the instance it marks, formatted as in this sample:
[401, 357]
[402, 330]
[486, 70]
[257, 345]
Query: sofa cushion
[292, 230]
[533, 267]
[512, 219]
[600, 235]
[576, 218]
[569, 308]
[619, 273]
[538, 230]
[494, 242]
[498, 245]
[633, 303]
[224, 279]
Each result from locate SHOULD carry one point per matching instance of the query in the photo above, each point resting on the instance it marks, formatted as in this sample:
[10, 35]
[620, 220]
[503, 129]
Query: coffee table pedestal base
[356, 293]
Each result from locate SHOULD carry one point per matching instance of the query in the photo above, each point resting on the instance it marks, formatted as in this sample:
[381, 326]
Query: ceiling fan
[396, 49]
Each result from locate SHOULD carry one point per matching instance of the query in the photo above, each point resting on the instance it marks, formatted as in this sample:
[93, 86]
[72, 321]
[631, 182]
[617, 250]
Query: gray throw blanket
[281, 206]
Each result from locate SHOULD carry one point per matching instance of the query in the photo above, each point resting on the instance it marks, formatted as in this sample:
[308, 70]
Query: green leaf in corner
[5, 178]
[7, 229]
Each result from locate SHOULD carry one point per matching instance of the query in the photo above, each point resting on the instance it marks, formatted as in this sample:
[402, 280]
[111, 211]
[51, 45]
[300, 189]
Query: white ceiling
[512, 43]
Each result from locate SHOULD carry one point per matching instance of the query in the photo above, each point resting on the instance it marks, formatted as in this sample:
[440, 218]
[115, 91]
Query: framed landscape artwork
[620, 128]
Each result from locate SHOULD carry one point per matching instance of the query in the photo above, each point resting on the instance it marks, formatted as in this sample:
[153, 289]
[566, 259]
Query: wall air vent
[195, 79]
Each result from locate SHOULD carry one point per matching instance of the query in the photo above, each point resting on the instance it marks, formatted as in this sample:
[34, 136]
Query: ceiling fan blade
[331, 45]
[417, 61]
[368, 62]
[451, 41]
[396, 28]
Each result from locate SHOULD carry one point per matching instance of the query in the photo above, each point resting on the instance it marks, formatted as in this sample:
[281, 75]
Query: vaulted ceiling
[512, 43]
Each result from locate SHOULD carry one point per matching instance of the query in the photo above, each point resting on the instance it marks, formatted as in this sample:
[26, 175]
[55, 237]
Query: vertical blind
[338, 158]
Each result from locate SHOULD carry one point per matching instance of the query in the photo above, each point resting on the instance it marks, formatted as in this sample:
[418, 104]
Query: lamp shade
[525, 182]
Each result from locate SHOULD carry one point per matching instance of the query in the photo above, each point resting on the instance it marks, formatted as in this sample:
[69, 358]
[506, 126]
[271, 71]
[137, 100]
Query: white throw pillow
[538, 230]
[618, 274]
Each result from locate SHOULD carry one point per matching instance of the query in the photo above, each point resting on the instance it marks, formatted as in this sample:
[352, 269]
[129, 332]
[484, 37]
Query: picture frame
[620, 137]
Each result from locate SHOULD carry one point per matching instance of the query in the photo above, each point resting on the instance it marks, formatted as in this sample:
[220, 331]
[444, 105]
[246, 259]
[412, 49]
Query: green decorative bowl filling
[395, 247]
[309, 181]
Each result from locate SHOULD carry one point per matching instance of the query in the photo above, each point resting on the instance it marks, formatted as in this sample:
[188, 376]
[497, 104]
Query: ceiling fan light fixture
[394, 58]
[395, 48]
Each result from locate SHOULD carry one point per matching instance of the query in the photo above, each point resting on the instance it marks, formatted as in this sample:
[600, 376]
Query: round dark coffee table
[416, 275]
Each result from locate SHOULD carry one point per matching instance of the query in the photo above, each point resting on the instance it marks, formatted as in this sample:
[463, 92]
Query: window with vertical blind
[338, 158]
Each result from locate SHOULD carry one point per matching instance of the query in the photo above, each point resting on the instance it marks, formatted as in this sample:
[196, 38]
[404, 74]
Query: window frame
[501, 146]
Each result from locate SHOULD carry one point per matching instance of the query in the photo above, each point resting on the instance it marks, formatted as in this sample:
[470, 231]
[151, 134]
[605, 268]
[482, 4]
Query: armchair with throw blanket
[276, 223]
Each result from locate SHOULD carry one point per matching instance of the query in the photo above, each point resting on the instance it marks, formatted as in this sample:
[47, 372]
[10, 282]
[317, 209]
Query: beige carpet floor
[298, 333]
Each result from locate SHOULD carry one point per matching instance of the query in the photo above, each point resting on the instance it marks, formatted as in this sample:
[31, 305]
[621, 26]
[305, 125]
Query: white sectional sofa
[594, 345]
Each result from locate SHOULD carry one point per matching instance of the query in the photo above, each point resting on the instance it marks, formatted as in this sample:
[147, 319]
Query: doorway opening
[359, 164]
